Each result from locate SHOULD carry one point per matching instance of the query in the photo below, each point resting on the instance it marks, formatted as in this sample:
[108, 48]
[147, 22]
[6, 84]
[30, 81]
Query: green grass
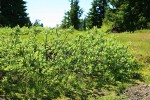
[139, 45]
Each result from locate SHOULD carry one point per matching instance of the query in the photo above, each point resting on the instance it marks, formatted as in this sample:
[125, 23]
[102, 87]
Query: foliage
[96, 15]
[38, 23]
[128, 15]
[72, 17]
[139, 45]
[61, 66]
[66, 21]
[118, 15]
[12, 13]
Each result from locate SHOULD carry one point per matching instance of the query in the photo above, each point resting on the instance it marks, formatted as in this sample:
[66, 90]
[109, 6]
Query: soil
[138, 92]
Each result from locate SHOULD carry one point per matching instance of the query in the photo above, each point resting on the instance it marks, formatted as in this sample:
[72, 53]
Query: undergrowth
[61, 66]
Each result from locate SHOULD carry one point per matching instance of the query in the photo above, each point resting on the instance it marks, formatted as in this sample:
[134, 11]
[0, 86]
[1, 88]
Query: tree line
[121, 15]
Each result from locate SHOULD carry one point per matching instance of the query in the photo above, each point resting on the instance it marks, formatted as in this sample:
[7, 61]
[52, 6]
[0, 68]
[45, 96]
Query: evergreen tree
[84, 24]
[14, 12]
[72, 17]
[96, 15]
[3, 20]
[129, 15]
[38, 23]
[66, 21]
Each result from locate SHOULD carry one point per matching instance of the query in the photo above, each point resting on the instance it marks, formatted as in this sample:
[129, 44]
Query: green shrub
[60, 67]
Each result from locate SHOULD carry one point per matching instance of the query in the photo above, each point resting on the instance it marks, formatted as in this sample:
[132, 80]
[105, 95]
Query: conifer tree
[14, 12]
[96, 15]
[66, 21]
[72, 17]
[129, 15]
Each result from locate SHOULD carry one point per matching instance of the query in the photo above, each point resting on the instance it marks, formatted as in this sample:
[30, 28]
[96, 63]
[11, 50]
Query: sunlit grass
[139, 45]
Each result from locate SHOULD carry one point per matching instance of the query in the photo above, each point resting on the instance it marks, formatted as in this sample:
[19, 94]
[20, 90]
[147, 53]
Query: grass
[139, 45]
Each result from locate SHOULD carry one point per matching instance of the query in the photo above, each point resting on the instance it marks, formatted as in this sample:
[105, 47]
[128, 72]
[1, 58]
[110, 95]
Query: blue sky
[51, 12]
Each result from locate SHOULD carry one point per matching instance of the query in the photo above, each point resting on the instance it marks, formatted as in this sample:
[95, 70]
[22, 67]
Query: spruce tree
[72, 17]
[66, 21]
[3, 20]
[14, 13]
[129, 15]
[96, 15]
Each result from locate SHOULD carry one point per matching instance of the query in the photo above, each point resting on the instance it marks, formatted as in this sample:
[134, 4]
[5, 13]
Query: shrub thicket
[62, 67]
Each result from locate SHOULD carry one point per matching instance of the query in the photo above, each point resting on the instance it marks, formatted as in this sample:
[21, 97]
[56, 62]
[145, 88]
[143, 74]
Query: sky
[51, 12]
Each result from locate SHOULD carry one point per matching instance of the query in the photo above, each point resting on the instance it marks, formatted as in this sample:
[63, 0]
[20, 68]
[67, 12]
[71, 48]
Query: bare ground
[138, 92]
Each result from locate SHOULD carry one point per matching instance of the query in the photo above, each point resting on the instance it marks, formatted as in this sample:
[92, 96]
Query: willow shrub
[59, 67]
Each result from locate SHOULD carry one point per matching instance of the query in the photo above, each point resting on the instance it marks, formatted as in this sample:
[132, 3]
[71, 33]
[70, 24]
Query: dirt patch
[138, 92]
